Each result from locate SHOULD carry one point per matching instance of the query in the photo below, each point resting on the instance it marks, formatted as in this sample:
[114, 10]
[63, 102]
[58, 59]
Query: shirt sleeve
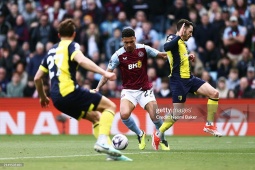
[44, 67]
[73, 49]
[114, 62]
[171, 42]
[151, 51]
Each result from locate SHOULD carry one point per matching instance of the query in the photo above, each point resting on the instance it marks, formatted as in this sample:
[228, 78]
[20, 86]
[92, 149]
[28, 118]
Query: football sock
[130, 123]
[96, 132]
[105, 122]
[158, 123]
[166, 125]
[96, 129]
[212, 106]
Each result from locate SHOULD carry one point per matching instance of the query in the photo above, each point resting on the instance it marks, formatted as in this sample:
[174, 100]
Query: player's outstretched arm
[103, 80]
[44, 100]
[162, 55]
[91, 66]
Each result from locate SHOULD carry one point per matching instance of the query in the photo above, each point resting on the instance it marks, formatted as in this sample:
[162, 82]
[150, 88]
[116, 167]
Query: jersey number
[56, 59]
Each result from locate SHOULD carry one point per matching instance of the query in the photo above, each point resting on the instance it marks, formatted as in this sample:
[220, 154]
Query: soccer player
[68, 97]
[132, 61]
[182, 82]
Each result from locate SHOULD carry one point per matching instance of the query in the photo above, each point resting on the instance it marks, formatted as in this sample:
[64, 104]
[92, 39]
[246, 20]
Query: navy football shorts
[181, 87]
[78, 101]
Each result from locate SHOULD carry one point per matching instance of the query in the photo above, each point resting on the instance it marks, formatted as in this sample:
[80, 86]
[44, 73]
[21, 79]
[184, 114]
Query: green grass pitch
[76, 152]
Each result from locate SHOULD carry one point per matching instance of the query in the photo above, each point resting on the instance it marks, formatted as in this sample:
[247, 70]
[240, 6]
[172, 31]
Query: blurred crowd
[223, 40]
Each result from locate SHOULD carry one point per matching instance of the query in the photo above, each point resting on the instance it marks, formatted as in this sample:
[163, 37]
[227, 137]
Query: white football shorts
[138, 96]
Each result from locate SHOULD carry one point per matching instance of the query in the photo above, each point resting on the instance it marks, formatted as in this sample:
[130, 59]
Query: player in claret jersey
[132, 62]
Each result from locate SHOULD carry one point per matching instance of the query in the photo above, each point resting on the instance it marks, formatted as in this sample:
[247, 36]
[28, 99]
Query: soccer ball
[120, 142]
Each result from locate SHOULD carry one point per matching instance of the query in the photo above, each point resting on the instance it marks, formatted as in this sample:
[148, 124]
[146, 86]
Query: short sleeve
[44, 67]
[114, 62]
[151, 51]
[73, 49]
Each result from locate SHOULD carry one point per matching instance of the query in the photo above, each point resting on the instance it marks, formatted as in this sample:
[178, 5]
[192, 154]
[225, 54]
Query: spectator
[94, 11]
[230, 6]
[21, 30]
[29, 90]
[122, 19]
[224, 66]
[140, 17]
[232, 80]
[161, 67]
[138, 30]
[107, 27]
[244, 90]
[4, 27]
[241, 7]
[214, 8]
[164, 91]
[15, 87]
[3, 80]
[6, 63]
[20, 69]
[177, 11]
[2, 93]
[200, 8]
[41, 33]
[113, 44]
[152, 77]
[14, 12]
[222, 88]
[28, 13]
[250, 74]
[133, 6]
[56, 12]
[114, 7]
[231, 94]
[233, 39]
[208, 78]
[92, 42]
[246, 61]
[35, 61]
[203, 33]
[210, 56]
[150, 36]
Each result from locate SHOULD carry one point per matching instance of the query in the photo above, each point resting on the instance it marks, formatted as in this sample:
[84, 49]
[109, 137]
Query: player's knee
[124, 115]
[215, 94]
[112, 106]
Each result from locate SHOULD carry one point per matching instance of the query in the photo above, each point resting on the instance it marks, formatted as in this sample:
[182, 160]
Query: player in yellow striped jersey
[183, 82]
[61, 63]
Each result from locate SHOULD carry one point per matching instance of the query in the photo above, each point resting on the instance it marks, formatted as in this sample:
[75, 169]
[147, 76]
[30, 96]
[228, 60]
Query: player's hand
[95, 90]
[110, 75]
[44, 102]
[163, 55]
[192, 57]
[181, 32]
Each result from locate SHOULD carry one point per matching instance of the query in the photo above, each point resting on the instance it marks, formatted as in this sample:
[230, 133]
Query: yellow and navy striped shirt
[59, 64]
[178, 56]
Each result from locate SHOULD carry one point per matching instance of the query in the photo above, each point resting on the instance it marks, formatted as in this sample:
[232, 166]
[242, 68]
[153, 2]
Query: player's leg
[126, 108]
[94, 117]
[179, 92]
[212, 105]
[148, 102]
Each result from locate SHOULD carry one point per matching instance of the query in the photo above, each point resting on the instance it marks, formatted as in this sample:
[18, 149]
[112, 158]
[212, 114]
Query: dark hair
[66, 28]
[128, 32]
[181, 22]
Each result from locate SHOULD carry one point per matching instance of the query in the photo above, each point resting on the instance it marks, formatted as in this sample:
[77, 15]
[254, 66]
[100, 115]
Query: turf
[76, 152]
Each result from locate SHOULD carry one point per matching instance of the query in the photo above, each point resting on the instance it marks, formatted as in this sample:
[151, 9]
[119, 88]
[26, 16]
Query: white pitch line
[68, 156]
